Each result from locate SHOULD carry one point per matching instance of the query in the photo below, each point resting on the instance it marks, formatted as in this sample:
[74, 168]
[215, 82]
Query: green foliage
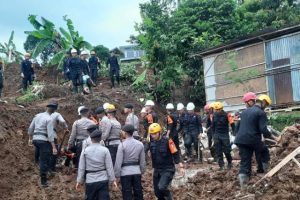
[128, 72]
[169, 36]
[31, 43]
[47, 36]
[235, 76]
[104, 71]
[280, 120]
[9, 50]
[29, 96]
[102, 52]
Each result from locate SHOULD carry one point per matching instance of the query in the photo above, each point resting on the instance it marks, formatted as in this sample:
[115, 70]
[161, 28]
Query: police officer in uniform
[130, 164]
[111, 132]
[95, 169]
[163, 162]
[41, 134]
[79, 132]
[132, 119]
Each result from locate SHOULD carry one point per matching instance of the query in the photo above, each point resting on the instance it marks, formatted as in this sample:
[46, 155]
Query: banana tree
[9, 50]
[63, 40]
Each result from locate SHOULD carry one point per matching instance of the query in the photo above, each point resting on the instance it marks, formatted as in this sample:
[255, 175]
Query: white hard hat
[180, 106]
[149, 103]
[170, 106]
[84, 53]
[80, 108]
[190, 106]
[73, 51]
[105, 105]
[143, 110]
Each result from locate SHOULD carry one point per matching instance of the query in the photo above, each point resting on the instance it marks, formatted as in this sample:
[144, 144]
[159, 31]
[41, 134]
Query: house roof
[256, 37]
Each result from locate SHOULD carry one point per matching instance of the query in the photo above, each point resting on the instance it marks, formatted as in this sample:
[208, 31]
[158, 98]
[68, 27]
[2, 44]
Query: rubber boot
[265, 167]
[44, 182]
[243, 179]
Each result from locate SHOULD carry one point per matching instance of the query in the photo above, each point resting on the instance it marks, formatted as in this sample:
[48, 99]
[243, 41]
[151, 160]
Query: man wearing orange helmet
[164, 157]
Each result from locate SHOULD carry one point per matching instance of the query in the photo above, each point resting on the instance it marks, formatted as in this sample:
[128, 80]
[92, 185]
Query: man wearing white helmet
[75, 70]
[84, 64]
[79, 132]
[171, 122]
[192, 127]
[180, 117]
[150, 118]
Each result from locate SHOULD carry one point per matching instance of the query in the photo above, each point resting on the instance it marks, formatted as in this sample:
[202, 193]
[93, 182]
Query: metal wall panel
[210, 79]
[295, 60]
[287, 47]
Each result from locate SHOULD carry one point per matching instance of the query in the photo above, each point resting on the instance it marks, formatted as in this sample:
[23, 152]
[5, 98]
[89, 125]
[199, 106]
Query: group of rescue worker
[82, 70]
[105, 151]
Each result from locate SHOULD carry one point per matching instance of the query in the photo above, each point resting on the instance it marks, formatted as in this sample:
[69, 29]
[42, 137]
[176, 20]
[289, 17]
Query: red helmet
[249, 96]
[206, 107]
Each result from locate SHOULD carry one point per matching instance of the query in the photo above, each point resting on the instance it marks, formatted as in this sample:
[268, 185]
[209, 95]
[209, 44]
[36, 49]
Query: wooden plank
[296, 161]
[283, 162]
[280, 165]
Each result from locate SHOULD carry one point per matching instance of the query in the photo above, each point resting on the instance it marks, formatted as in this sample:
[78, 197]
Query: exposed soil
[19, 175]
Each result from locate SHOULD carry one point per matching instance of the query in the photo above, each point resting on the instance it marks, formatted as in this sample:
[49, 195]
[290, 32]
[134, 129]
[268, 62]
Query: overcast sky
[107, 22]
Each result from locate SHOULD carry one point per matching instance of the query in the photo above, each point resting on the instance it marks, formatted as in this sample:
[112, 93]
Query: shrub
[32, 94]
[280, 120]
[128, 72]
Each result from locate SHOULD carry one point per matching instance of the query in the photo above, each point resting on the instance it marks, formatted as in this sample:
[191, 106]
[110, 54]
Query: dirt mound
[289, 142]
[224, 185]
[13, 79]
[19, 174]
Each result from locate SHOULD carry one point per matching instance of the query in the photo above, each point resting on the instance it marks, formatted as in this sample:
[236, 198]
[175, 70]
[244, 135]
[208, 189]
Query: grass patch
[31, 95]
[280, 120]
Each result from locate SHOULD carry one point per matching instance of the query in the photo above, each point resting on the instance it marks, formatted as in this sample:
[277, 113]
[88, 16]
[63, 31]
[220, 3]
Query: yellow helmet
[212, 105]
[110, 108]
[218, 106]
[154, 128]
[265, 97]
